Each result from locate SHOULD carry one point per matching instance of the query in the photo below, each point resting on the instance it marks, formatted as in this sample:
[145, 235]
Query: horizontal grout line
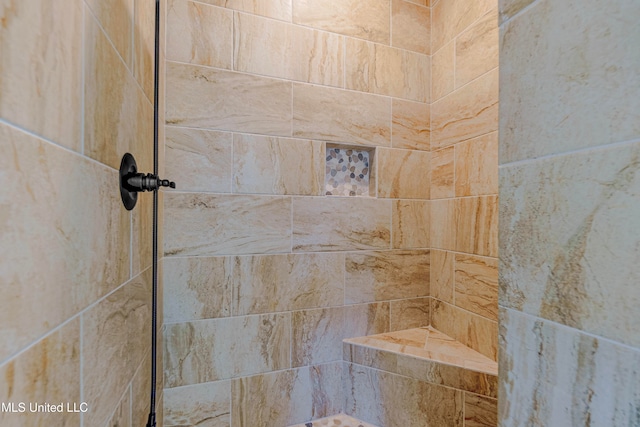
[467, 311]
[345, 252]
[453, 92]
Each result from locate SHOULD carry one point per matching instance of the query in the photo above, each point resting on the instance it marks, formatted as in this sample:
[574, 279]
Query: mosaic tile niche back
[347, 172]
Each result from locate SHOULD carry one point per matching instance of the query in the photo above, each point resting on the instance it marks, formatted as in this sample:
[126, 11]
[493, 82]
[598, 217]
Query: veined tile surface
[411, 125]
[278, 9]
[201, 404]
[410, 26]
[403, 174]
[411, 224]
[335, 421]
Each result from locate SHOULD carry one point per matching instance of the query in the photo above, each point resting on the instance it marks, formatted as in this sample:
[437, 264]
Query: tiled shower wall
[464, 172]
[265, 275]
[569, 210]
[75, 94]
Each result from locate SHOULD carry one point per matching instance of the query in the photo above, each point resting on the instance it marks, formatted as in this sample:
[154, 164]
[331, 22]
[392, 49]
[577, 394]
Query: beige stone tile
[410, 125]
[122, 416]
[205, 224]
[368, 21]
[443, 28]
[480, 411]
[269, 165]
[278, 9]
[443, 275]
[476, 285]
[411, 219]
[410, 26]
[330, 224]
[116, 17]
[476, 163]
[366, 319]
[443, 71]
[49, 371]
[140, 391]
[199, 160]
[316, 336]
[144, 44]
[476, 332]
[384, 70]
[272, 48]
[443, 226]
[197, 288]
[341, 420]
[586, 79]
[218, 99]
[578, 215]
[469, 12]
[410, 313]
[466, 113]
[205, 404]
[477, 225]
[403, 174]
[41, 77]
[386, 275]
[420, 2]
[199, 34]
[287, 397]
[477, 49]
[443, 173]
[508, 8]
[336, 115]
[217, 349]
[118, 116]
[274, 283]
[84, 251]
[142, 234]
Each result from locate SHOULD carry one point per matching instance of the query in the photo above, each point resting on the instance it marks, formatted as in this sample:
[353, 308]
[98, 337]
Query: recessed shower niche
[349, 171]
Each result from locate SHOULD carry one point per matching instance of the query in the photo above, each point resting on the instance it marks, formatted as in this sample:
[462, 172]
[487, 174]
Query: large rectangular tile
[41, 63]
[205, 224]
[443, 23]
[206, 404]
[330, 224]
[278, 49]
[578, 214]
[403, 174]
[443, 71]
[369, 20]
[269, 165]
[41, 183]
[476, 166]
[411, 224]
[217, 349]
[443, 224]
[116, 17]
[366, 319]
[385, 70]
[387, 275]
[409, 313]
[144, 46]
[587, 80]
[337, 115]
[278, 9]
[217, 99]
[316, 336]
[410, 125]
[443, 173]
[476, 285]
[443, 275]
[480, 411]
[477, 49]
[410, 26]
[477, 225]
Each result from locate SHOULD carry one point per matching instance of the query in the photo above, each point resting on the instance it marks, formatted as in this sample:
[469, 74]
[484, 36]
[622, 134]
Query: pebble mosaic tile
[347, 172]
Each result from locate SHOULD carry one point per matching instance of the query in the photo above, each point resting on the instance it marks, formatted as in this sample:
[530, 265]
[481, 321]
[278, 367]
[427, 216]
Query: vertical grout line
[82, 76]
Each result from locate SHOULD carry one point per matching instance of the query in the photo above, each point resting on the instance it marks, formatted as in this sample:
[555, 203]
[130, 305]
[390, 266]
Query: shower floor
[340, 420]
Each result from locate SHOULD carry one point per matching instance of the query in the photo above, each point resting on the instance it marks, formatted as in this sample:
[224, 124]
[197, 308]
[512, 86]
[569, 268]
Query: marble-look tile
[366, 319]
[122, 416]
[443, 71]
[420, 2]
[473, 331]
[204, 224]
[480, 411]
[278, 9]
[269, 165]
[476, 166]
[206, 405]
[442, 275]
[579, 215]
[370, 21]
[330, 224]
[199, 34]
[210, 350]
[411, 223]
[476, 285]
[316, 336]
[586, 78]
[403, 174]
[409, 313]
[336, 420]
[470, 12]
[329, 114]
[218, 99]
[197, 288]
[554, 375]
[410, 125]
[118, 116]
[199, 160]
[410, 26]
[509, 8]
[272, 48]
[82, 253]
[443, 228]
[140, 390]
[383, 398]
[48, 371]
[41, 77]
[443, 173]
[116, 17]
[274, 283]
[287, 397]
[477, 225]
[385, 70]
[443, 28]
[477, 49]
[466, 113]
[144, 45]
[386, 275]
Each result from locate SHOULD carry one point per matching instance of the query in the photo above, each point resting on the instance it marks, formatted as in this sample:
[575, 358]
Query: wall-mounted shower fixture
[132, 182]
